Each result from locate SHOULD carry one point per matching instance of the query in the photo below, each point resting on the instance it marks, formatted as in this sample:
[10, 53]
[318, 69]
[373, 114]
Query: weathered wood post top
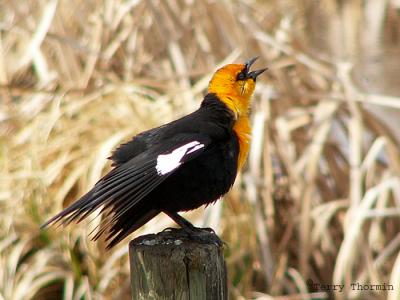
[172, 265]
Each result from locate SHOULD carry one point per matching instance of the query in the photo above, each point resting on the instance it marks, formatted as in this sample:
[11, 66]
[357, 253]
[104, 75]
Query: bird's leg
[181, 221]
[199, 234]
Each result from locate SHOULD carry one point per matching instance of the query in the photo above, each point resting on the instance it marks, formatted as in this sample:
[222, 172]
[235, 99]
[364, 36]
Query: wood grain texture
[170, 265]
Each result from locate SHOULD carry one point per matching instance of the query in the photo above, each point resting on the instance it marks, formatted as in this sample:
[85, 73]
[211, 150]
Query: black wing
[199, 122]
[122, 192]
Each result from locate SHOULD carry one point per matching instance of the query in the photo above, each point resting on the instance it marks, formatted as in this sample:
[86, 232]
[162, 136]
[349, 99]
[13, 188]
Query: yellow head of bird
[234, 85]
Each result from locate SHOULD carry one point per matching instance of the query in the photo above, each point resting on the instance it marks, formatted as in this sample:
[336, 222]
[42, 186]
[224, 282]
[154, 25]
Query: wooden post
[170, 265]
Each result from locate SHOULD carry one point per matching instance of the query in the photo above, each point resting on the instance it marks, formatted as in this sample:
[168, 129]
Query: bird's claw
[203, 235]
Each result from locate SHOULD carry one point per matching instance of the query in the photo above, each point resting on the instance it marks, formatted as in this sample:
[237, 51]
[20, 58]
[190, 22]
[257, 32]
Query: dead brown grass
[319, 199]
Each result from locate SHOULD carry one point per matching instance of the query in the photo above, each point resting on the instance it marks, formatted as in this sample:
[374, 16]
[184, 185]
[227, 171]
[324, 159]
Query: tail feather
[115, 229]
[125, 225]
[68, 214]
[123, 198]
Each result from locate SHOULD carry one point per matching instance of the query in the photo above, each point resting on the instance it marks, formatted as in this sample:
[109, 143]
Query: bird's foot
[209, 229]
[196, 234]
[203, 235]
[169, 229]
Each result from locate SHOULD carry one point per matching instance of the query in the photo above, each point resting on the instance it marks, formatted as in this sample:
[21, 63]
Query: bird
[176, 167]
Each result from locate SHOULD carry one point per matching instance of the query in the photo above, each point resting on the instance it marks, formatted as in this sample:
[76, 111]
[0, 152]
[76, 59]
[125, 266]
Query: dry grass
[320, 197]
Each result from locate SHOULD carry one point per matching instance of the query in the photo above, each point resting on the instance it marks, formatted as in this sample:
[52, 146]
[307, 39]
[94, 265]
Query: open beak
[253, 74]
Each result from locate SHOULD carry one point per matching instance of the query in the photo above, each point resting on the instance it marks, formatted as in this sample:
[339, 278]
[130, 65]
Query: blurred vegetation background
[319, 199]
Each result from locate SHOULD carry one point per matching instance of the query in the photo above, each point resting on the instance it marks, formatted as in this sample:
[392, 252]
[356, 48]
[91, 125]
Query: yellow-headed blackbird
[178, 166]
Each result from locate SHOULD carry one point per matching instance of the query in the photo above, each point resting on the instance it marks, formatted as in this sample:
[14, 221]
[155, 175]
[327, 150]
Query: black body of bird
[176, 167]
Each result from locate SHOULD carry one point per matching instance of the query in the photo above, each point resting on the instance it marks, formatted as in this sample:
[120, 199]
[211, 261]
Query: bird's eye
[241, 76]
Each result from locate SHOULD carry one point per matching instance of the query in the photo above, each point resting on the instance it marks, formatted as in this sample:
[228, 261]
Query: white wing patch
[169, 162]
